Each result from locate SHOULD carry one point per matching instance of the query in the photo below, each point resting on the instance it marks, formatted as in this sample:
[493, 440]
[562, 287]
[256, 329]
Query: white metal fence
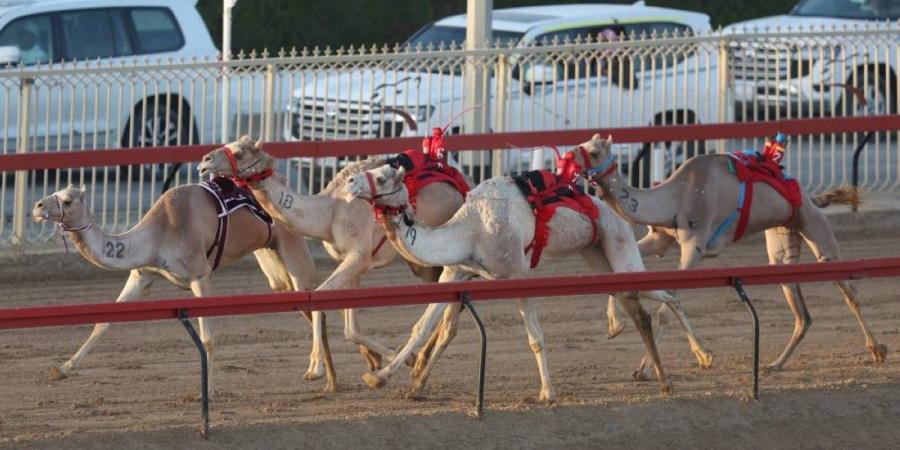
[365, 92]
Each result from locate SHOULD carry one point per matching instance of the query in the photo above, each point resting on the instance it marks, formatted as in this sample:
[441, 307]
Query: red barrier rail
[31, 317]
[153, 155]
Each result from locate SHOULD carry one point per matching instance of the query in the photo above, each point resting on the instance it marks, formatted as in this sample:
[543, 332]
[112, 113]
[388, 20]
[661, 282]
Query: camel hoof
[879, 353]
[770, 369]
[641, 375]
[668, 389]
[374, 381]
[414, 394]
[312, 375]
[705, 359]
[547, 396]
[330, 388]
[55, 374]
[613, 330]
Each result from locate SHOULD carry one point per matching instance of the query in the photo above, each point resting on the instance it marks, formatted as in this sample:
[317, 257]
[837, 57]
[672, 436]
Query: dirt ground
[139, 388]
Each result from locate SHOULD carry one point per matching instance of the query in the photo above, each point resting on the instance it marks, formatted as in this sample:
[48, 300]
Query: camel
[171, 241]
[690, 208]
[486, 238]
[347, 229]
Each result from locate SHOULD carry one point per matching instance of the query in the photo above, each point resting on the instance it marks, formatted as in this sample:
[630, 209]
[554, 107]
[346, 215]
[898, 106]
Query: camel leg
[536, 341]
[818, 235]
[442, 337]
[783, 247]
[351, 332]
[343, 276]
[201, 288]
[423, 328]
[642, 322]
[138, 284]
[690, 256]
[424, 355]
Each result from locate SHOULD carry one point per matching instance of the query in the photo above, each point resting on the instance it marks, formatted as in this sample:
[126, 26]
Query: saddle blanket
[229, 198]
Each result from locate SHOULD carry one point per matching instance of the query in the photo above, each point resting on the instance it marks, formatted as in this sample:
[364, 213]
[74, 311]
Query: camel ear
[596, 137]
[259, 144]
[82, 190]
[401, 172]
[609, 139]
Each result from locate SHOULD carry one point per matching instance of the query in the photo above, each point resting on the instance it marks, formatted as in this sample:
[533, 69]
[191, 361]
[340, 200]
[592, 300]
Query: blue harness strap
[742, 190]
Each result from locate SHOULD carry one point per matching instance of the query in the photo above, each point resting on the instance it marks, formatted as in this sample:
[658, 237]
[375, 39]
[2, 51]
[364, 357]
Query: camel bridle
[62, 218]
[236, 173]
[607, 167]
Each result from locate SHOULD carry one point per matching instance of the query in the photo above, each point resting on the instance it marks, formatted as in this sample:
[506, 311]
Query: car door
[34, 36]
[91, 101]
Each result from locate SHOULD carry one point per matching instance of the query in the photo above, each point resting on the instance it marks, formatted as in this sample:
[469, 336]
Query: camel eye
[67, 202]
[380, 180]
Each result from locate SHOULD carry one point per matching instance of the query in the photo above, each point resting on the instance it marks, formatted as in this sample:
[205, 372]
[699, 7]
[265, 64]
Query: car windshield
[436, 34]
[850, 9]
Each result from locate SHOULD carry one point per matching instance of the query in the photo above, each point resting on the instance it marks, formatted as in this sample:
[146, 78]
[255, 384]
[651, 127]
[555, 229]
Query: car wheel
[639, 173]
[157, 125]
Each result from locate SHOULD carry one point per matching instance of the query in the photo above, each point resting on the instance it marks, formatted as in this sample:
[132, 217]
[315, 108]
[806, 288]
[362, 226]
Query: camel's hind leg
[536, 342]
[642, 322]
[138, 284]
[817, 232]
[441, 338]
[783, 247]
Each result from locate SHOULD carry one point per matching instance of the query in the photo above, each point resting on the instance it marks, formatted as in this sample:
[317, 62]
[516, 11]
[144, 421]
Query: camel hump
[842, 195]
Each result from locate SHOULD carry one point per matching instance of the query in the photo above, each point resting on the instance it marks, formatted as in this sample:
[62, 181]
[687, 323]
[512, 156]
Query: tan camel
[692, 203]
[486, 238]
[172, 241]
[347, 229]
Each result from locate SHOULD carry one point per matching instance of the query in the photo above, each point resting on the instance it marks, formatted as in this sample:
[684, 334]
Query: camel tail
[843, 195]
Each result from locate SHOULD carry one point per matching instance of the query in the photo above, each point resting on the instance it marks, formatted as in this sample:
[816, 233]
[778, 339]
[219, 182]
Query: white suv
[544, 93]
[103, 33]
[781, 78]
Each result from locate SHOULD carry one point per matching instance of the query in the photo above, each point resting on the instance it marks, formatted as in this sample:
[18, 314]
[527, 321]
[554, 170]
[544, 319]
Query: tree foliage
[276, 24]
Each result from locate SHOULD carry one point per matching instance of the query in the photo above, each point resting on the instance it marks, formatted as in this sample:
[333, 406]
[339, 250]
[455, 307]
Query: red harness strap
[750, 170]
[545, 202]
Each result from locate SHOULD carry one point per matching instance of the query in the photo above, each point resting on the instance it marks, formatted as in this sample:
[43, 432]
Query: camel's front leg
[138, 284]
[202, 288]
[346, 273]
[445, 333]
[536, 342]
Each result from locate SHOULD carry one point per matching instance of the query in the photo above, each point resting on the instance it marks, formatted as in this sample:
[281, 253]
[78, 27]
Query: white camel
[347, 229]
[487, 238]
[177, 240]
[692, 207]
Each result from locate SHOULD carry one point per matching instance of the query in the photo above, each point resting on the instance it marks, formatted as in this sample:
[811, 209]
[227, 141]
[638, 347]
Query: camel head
[383, 185]
[248, 159]
[595, 156]
[65, 207]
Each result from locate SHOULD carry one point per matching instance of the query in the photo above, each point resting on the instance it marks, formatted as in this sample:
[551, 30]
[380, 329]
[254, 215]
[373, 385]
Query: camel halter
[606, 168]
[62, 227]
[244, 182]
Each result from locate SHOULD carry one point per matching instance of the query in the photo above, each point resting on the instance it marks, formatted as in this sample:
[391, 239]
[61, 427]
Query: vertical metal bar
[269, 104]
[739, 287]
[723, 87]
[19, 213]
[479, 397]
[502, 72]
[204, 377]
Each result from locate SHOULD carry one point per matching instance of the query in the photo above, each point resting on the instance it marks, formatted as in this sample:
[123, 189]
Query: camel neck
[428, 246]
[655, 206]
[309, 215]
[125, 251]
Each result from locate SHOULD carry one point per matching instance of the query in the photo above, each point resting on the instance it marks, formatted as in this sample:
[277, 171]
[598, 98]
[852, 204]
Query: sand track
[139, 386]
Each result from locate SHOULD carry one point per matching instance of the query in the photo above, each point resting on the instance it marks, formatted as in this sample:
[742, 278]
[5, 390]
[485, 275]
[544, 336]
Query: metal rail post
[479, 397]
[722, 82]
[204, 377]
[19, 208]
[269, 104]
[739, 287]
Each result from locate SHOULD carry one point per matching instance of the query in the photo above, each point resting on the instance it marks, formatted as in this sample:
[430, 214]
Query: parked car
[92, 109]
[586, 88]
[784, 78]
